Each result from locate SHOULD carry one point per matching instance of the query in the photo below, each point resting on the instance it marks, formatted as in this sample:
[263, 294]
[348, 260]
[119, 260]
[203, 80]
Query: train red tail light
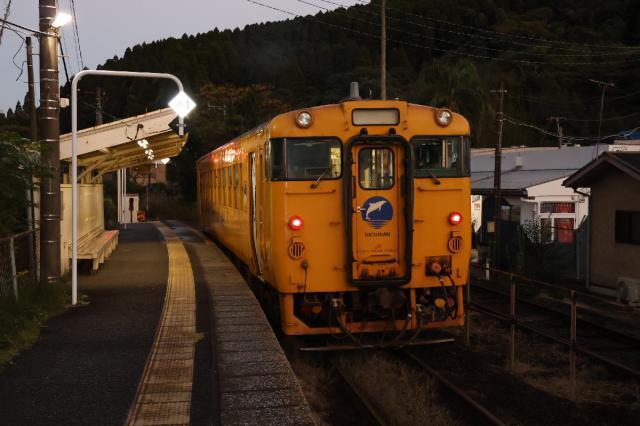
[296, 223]
[455, 218]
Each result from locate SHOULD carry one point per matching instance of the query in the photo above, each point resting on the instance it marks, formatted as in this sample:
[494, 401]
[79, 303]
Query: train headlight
[443, 117]
[296, 223]
[304, 119]
[455, 218]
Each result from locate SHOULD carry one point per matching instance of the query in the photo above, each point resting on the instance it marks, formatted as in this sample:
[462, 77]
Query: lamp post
[181, 104]
[49, 134]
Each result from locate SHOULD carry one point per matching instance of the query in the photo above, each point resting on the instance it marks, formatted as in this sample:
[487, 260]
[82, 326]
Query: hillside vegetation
[439, 53]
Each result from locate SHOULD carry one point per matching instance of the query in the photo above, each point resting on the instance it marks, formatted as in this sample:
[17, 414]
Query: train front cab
[404, 251]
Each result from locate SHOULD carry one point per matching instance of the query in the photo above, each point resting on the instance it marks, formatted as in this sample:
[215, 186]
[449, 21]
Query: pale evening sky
[107, 28]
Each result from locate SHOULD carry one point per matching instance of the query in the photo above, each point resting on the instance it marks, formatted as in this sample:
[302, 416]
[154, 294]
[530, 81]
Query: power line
[20, 67]
[437, 49]
[517, 122]
[509, 39]
[76, 33]
[474, 46]
[7, 11]
[543, 101]
[24, 30]
[510, 36]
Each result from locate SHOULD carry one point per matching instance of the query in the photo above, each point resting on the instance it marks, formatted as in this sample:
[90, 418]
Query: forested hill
[441, 53]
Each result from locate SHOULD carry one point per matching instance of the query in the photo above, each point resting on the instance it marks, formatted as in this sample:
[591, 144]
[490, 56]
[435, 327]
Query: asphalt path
[86, 366]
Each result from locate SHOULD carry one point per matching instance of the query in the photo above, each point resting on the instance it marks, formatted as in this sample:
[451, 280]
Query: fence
[597, 316]
[550, 254]
[19, 260]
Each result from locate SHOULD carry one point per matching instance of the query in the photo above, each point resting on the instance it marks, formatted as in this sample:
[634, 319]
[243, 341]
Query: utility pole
[33, 118]
[32, 92]
[603, 85]
[497, 176]
[6, 16]
[383, 51]
[98, 106]
[559, 129]
[49, 123]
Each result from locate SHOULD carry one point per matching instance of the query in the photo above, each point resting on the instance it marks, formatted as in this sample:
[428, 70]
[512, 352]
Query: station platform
[171, 335]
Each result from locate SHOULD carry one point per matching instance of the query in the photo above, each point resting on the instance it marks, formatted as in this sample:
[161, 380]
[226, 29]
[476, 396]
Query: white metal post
[74, 155]
[14, 275]
[124, 197]
[119, 195]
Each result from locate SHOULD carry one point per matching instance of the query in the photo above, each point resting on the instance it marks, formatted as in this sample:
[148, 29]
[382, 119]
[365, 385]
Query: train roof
[339, 115]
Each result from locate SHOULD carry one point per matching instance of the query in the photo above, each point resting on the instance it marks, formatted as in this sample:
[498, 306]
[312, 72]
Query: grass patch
[407, 396]
[20, 321]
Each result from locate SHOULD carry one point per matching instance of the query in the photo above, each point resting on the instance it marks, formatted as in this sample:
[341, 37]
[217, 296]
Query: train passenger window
[236, 186]
[441, 156]
[305, 159]
[375, 168]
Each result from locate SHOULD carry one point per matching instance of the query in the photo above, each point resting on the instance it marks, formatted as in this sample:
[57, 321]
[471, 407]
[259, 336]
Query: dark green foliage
[439, 53]
[540, 258]
[19, 162]
[20, 321]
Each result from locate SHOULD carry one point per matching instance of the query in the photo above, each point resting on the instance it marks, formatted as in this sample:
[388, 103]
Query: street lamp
[61, 19]
[181, 104]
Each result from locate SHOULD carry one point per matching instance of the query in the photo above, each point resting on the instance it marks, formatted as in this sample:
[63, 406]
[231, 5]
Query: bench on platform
[97, 245]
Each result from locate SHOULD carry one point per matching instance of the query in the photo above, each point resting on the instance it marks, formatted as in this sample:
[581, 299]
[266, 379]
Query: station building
[614, 216]
[533, 195]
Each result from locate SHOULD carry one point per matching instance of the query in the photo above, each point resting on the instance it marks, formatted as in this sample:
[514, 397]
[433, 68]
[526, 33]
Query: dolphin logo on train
[377, 212]
[373, 207]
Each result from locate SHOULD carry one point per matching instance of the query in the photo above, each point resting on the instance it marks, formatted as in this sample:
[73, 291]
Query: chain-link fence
[19, 260]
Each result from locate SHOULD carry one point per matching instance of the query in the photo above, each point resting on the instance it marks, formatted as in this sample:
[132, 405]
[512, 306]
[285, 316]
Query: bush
[19, 163]
[20, 321]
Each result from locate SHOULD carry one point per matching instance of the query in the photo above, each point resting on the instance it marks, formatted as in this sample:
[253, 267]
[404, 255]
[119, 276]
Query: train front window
[375, 168]
[440, 156]
[305, 159]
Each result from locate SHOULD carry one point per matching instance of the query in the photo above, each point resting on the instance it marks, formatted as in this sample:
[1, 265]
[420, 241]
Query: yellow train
[354, 217]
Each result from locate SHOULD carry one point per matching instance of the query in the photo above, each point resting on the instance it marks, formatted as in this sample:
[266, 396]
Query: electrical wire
[19, 67]
[76, 33]
[597, 100]
[64, 60]
[437, 49]
[506, 35]
[7, 12]
[476, 36]
[595, 120]
[517, 122]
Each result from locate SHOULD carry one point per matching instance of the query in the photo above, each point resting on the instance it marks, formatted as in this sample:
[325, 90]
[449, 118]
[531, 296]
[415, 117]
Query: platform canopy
[115, 145]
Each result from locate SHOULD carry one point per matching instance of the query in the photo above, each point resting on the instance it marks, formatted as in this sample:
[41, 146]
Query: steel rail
[620, 335]
[578, 348]
[546, 284]
[370, 406]
[481, 409]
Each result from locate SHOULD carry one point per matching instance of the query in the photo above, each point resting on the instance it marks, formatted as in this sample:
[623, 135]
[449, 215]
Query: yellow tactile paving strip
[164, 392]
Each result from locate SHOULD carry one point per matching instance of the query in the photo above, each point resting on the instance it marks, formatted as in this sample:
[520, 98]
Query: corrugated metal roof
[568, 158]
[517, 179]
[524, 167]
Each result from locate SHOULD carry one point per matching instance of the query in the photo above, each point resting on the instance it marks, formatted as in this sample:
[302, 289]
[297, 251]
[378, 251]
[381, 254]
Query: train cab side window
[276, 159]
[446, 156]
[305, 158]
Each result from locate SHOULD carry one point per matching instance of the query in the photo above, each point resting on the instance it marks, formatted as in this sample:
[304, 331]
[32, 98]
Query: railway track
[463, 396]
[370, 406]
[612, 347]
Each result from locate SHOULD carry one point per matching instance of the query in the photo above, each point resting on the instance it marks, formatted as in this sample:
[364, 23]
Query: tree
[19, 163]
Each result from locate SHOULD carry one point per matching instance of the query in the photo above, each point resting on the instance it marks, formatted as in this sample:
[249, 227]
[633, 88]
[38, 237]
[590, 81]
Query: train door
[379, 208]
[253, 209]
